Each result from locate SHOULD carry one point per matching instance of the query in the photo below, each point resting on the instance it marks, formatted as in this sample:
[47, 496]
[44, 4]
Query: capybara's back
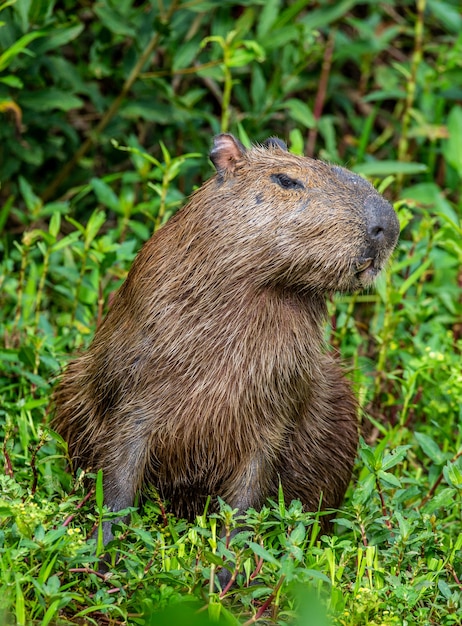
[209, 375]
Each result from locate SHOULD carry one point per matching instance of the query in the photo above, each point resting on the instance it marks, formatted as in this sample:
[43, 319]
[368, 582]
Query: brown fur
[209, 375]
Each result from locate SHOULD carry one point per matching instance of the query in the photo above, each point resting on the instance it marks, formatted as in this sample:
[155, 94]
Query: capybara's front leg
[122, 479]
[320, 451]
[247, 489]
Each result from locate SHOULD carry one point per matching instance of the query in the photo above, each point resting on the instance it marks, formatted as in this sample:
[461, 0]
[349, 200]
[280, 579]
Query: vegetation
[107, 111]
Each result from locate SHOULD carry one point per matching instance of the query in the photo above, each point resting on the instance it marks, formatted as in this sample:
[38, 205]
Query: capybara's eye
[286, 182]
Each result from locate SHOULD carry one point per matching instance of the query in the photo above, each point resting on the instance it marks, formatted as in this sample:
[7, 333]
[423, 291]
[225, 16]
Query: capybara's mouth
[367, 270]
[363, 264]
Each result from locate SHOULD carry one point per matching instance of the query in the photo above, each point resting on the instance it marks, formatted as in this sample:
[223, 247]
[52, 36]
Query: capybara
[209, 375]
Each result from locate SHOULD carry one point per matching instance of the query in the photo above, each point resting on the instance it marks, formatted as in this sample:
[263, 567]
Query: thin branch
[265, 604]
[321, 93]
[435, 485]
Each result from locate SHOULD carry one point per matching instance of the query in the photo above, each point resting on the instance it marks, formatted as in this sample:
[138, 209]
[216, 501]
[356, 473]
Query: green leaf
[57, 38]
[7, 3]
[414, 277]
[263, 553]
[267, 16]
[385, 94]
[33, 202]
[447, 14]
[330, 12]
[258, 88]
[34, 403]
[145, 536]
[453, 474]
[394, 457]
[20, 609]
[240, 58]
[95, 222]
[216, 559]
[49, 99]
[364, 489]
[27, 356]
[105, 194]
[40, 10]
[444, 588]
[300, 112]
[452, 147]
[18, 47]
[368, 457]
[386, 168]
[326, 126]
[12, 81]
[281, 502]
[47, 566]
[243, 136]
[404, 526]
[442, 500]
[185, 55]
[99, 494]
[430, 448]
[311, 611]
[146, 111]
[52, 536]
[297, 536]
[103, 608]
[256, 49]
[6, 511]
[430, 195]
[296, 142]
[51, 612]
[113, 21]
[76, 224]
[389, 478]
[55, 224]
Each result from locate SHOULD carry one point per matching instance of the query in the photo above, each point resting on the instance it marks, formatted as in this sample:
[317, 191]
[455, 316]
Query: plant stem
[432, 490]
[227, 89]
[163, 200]
[387, 332]
[321, 93]
[411, 84]
[383, 505]
[83, 267]
[265, 604]
[41, 286]
[24, 249]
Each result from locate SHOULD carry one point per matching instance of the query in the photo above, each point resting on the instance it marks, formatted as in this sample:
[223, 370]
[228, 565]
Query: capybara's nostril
[376, 232]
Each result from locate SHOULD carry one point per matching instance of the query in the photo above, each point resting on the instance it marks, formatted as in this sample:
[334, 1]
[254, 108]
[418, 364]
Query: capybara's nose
[376, 231]
[381, 222]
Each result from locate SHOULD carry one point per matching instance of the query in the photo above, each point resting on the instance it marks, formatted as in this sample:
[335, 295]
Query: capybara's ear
[227, 151]
[275, 142]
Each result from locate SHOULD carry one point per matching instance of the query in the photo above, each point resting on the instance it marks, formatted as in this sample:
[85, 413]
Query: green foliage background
[107, 111]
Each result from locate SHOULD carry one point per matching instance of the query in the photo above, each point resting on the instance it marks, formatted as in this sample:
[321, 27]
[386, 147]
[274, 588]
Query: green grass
[374, 87]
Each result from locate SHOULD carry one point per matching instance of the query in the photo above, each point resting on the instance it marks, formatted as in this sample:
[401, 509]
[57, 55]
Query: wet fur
[209, 375]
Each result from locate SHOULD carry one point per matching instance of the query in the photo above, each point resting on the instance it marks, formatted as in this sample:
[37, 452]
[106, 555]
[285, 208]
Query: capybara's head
[304, 224]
